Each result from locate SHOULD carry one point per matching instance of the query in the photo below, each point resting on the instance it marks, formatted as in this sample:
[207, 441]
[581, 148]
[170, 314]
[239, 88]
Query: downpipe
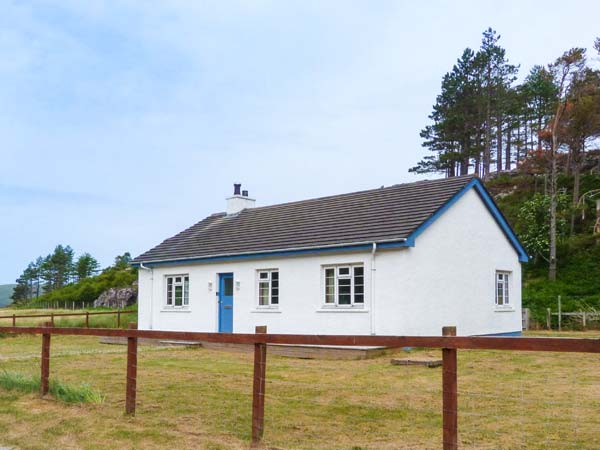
[373, 271]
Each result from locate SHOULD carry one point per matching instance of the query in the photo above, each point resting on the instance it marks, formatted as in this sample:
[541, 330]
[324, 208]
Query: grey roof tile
[376, 215]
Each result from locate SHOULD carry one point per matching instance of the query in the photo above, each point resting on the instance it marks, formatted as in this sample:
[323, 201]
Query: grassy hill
[6, 291]
[578, 277]
[89, 289]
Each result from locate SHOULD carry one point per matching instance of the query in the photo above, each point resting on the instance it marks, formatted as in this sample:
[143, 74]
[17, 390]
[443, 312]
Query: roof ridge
[364, 191]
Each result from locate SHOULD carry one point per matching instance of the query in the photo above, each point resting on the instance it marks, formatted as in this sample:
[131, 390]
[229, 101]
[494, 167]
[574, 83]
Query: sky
[124, 122]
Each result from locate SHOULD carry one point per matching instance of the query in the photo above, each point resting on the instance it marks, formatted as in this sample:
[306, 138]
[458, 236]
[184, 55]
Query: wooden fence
[448, 342]
[52, 316]
[584, 316]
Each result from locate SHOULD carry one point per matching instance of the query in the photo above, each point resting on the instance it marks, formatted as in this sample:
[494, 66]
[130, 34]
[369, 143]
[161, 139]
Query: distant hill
[6, 291]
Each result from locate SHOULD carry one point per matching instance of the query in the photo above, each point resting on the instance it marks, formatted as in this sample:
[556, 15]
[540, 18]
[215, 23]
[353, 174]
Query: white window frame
[502, 278]
[169, 295]
[268, 279]
[337, 276]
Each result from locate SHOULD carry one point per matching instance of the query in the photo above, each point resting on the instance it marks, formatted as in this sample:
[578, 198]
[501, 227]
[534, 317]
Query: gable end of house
[492, 208]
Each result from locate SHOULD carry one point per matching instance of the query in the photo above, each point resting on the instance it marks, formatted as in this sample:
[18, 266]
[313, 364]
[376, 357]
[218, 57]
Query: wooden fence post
[548, 319]
[14, 320]
[87, 319]
[258, 391]
[559, 314]
[130, 394]
[119, 318]
[450, 394]
[52, 318]
[45, 365]
[583, 320]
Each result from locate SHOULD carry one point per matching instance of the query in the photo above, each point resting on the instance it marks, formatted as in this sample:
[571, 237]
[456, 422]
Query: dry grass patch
[197, 398]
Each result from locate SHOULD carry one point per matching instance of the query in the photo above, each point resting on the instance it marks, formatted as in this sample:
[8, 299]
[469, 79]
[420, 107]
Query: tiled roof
[376, 215]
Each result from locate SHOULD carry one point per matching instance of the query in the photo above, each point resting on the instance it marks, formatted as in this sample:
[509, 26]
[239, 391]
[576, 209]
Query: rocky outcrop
[117, 297]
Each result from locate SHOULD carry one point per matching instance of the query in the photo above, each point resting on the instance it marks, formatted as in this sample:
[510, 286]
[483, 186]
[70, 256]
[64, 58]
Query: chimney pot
[236, 188]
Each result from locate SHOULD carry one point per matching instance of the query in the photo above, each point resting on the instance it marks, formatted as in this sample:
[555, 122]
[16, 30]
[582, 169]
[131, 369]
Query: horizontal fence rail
[538, 344]
[449, 343]
[52, 316]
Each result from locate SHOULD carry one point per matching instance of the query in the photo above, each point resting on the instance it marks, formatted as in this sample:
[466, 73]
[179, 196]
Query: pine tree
[86, 266]
[470, 115]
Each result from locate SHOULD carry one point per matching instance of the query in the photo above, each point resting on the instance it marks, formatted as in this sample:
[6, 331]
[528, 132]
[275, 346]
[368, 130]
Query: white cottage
[399, 260]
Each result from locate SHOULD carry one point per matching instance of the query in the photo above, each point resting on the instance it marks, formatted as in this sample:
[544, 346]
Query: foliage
[523, 201]
[86, 266]
[82, 393]
[122, 261]
[533, 220]
[59, 276]
[89, 289]
[481, 116]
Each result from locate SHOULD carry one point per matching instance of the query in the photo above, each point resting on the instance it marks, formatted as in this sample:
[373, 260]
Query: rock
[117, 297]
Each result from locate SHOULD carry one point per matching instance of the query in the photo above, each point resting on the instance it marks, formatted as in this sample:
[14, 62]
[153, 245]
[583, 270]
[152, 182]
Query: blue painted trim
[492, 208]
[507, 334]
[312, 251]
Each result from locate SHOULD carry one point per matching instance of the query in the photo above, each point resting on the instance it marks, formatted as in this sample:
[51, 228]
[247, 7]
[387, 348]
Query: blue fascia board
[284, 253]
[490, 205]
[505, 334]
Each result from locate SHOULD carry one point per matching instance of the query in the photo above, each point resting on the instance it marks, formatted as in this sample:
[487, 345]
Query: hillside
[87, 290]
[6, 291]
[578, 277]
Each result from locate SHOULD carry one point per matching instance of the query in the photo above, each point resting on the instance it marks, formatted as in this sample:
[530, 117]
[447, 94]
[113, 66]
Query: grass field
[201, 399]
[101, 321]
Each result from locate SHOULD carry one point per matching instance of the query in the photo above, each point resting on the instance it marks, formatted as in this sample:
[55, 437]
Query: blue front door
[225, 303]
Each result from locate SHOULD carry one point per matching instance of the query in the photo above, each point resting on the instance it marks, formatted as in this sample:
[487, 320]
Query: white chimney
[239, 201]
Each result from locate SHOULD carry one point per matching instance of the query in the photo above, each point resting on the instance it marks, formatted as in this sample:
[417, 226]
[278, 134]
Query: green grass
[199, 398]
[67, 393]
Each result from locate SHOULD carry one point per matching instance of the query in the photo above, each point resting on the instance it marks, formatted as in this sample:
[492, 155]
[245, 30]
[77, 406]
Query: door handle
[227, 307]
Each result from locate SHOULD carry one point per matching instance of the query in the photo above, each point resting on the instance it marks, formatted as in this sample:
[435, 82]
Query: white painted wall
[448, 278]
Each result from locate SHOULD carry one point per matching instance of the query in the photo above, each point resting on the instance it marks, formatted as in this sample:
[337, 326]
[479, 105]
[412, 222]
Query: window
[345, 285]
[268, 287]
[178, 291]
[502, 288]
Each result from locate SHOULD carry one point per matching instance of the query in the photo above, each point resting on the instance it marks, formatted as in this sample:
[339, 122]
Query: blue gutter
[505, 334]
[283, 253]
[408, 242]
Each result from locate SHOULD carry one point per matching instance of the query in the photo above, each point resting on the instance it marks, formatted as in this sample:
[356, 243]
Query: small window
[268, 287]
[178, 291]
[345, 285]
[502, 289]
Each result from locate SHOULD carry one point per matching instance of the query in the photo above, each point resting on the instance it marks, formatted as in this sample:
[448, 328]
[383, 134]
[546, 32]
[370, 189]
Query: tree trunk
[553, 201]
[499, 144]
[507, 154]
[553, 197]
[488, 143]
[464, 163]
[576, 186]
[518, 144]
[488, 128]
